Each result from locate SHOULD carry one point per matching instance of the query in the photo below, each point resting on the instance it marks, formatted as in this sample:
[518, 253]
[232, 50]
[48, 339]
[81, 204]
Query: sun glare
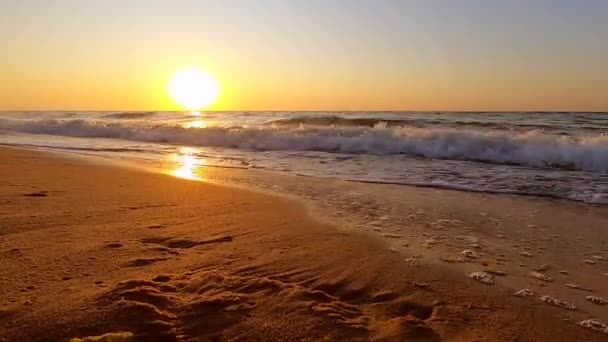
[193, 89]
[187, 164]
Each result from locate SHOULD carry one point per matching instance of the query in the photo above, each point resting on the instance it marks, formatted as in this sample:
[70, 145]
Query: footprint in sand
[159, 311]
[144, 262]
[36, 194]
[161, 278]
[179, 243]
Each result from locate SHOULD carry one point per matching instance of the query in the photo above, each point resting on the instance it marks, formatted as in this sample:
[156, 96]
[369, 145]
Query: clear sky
[307, 54]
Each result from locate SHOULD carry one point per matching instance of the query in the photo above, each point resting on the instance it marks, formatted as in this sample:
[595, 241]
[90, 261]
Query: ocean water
[561, 155]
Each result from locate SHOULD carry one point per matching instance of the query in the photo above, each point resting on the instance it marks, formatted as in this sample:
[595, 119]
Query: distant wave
[336, 120]
[328, 120]
[129, 115]
[532, 148]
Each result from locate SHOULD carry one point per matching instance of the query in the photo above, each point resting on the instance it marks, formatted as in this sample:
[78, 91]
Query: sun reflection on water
[187, 164]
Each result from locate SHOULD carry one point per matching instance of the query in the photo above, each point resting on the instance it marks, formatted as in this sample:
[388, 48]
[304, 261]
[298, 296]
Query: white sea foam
[531, 148]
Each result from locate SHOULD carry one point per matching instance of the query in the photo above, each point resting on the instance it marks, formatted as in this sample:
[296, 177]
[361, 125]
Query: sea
[552, 154]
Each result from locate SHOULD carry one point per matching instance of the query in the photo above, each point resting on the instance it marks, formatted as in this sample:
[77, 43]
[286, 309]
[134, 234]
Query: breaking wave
[532, 148]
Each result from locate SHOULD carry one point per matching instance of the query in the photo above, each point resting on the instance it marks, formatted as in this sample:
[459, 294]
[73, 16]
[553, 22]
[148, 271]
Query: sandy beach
[193, 171]
[88, 249]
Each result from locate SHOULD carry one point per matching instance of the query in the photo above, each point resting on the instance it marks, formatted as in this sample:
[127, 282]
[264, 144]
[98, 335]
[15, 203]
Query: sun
[193, 89]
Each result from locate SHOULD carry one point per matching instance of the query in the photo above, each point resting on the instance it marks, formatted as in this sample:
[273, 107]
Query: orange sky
[65, 55]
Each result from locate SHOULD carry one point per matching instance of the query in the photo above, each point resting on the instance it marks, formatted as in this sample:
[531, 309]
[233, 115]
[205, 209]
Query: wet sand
[514, 237]
[87, 249]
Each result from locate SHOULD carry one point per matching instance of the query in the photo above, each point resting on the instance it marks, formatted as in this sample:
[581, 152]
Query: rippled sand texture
[88, 249]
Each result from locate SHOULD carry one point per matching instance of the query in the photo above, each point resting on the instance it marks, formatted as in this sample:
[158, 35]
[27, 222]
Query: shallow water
[563, 155]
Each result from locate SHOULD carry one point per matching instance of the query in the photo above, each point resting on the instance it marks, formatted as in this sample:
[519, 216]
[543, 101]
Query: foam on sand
[594, 325]
[483, 277]
[597, 300]
[557, 302]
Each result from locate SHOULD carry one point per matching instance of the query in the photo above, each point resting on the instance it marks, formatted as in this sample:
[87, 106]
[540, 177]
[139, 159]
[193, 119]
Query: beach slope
[88, 249]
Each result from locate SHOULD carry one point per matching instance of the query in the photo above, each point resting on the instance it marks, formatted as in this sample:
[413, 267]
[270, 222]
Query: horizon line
[310, 110]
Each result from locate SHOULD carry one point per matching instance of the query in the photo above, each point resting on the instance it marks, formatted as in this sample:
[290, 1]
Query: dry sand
[89, 249]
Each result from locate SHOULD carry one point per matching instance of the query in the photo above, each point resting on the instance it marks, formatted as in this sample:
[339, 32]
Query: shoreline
[265, 269]
[153, 167]
[599, 200]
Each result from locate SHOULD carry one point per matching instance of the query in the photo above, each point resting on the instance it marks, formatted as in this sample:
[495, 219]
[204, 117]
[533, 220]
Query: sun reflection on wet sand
[196, 124]
[187, 164]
